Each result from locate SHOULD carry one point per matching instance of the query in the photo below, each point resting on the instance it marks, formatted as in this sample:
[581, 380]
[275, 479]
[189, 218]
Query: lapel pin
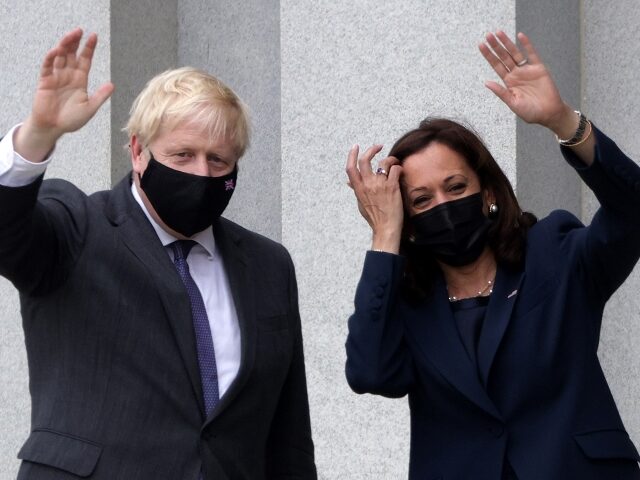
[512, 294]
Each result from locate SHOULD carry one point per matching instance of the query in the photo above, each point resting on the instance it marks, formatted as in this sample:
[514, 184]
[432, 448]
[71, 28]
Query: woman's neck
[473, 280]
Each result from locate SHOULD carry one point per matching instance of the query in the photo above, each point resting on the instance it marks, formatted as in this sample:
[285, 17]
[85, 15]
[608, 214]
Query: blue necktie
[204, 341]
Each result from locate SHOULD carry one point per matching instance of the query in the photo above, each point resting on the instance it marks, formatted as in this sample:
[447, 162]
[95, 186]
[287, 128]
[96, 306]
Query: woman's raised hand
[378, 195]
[61, 103]
[528, 90]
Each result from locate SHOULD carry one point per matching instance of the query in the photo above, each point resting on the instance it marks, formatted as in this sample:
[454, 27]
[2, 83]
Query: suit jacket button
[497, 430]
[376, 302]
[379, 291]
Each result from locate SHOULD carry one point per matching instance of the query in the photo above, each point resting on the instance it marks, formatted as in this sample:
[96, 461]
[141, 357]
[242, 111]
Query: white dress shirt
[204, 260]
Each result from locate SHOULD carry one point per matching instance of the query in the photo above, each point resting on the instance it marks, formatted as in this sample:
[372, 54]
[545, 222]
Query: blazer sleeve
[378, 360]
[607, 251]
[290, 451]
[42, 226]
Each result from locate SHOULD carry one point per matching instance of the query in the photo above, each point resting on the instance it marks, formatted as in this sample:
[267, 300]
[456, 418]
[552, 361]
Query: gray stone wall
[610, 96]
[239, 42]
[318, 77]
[364, 72]
[82, 157]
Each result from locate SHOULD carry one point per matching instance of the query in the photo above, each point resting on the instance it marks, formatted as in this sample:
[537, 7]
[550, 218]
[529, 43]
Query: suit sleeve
[42, 227]
[290, 451]
[607, 251]
[378, 360]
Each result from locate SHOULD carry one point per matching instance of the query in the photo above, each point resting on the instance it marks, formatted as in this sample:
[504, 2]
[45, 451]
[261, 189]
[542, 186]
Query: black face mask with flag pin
[185, 202]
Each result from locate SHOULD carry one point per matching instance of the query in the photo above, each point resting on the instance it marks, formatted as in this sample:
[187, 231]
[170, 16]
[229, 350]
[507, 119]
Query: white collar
[203, 238]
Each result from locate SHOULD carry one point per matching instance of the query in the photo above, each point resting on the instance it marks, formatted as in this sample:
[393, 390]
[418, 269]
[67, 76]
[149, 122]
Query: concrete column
[364, 72]
[144, 42]
[545, 182]
[239, 42]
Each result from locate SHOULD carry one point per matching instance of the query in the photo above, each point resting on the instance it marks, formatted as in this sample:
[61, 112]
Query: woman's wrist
[565, 125]
[386, 242]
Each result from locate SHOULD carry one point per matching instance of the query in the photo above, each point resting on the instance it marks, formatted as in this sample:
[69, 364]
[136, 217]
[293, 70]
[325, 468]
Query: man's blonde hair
[189, 95]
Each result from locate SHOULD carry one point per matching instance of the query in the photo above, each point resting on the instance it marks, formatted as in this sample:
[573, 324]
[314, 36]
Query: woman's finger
[518, 57]
[532, 54]
[395, 171]
[387, 162]
[500, 51]
[364, 162]
[501, 92]
[494, 61]
[352, 168]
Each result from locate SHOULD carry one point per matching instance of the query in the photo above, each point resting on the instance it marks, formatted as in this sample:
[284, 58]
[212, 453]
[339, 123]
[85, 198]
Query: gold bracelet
[577, 136]
[584, 139]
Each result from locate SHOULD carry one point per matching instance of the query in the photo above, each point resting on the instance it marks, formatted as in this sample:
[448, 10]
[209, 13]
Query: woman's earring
[493, 210]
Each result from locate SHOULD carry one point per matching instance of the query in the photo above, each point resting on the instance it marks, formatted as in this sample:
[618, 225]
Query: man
[163, 340]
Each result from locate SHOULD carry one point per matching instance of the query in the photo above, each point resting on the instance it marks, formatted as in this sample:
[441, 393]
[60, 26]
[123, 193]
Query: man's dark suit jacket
[114, 378]
[538, 395]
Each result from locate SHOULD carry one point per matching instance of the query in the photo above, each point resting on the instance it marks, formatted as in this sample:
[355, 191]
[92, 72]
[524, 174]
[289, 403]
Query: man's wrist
[34, 144]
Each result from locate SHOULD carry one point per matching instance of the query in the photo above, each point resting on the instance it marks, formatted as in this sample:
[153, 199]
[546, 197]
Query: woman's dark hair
[508, 232]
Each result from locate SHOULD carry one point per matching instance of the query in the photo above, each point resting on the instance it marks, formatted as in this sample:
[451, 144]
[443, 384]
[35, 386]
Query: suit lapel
[438, 338]
[498, 314]
[236, 266]
[140, 238]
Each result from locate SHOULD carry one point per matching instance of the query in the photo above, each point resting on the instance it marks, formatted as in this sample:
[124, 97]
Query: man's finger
[86, 54]
[59, 61]
[100, 96]
[47, 64]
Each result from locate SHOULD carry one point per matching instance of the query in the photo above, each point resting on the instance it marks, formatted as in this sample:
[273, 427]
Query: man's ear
[138, 161]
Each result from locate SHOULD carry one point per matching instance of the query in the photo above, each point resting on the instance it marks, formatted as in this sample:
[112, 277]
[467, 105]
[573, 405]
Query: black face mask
[185, 202]
[454, 232]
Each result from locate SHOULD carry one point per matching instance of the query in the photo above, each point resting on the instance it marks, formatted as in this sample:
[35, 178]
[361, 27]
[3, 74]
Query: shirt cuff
[16, 171]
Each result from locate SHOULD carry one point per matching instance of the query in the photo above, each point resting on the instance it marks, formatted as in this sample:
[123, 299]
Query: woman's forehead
[435, 163]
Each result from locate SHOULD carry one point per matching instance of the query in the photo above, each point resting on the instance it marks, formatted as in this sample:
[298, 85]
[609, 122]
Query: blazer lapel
[236, 266]
[140, 238]
[438, 338]
[503, 298]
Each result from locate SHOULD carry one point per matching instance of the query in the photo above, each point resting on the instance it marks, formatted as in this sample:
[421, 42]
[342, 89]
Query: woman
[488, 319]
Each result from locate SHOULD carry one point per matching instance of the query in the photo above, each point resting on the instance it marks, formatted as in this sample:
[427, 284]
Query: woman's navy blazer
[538, 396]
